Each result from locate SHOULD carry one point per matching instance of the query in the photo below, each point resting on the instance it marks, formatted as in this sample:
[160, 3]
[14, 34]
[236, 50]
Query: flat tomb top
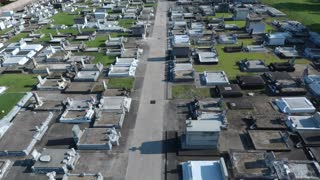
[268, 140]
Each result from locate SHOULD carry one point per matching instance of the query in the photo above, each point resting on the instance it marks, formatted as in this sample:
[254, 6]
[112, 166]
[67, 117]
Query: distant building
[275, 12]
[276, 39]
[139, 30]
[240, 13]
[254, 24]
[58, 5]
[100, 14]
[80, 21]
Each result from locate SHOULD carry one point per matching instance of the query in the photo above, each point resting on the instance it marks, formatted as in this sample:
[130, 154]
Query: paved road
[15, 5]
[145, 153]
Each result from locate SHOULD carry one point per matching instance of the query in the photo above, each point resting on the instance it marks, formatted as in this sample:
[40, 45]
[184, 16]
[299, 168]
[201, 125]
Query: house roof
[250, 80]
[208, 57]
[116, 103]
[274, 76]
[16, 60]
[203, 126]
[313, 84]
[229, 90]
[183, 67]
[310, 138]
[216, 77]
[279, 35]
[295, 105]
[303, 122]
[204, 170]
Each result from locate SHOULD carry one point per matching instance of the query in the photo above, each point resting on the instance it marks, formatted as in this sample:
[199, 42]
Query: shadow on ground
[154, 147]
[157, 59]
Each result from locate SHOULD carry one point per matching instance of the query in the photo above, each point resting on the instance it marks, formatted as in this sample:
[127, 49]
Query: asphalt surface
[19, 4]
[146, 151]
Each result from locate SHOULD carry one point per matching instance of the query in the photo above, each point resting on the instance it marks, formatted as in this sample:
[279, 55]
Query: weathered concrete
[146, 150]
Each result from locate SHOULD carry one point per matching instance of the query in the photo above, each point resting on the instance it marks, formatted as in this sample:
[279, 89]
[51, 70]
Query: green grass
[64, 18]
[305, 11]
[228, 61]
[8, 101]
[240, 24]
[47, 31]
[17, 37]
[218, 15]
[126, 23]
[99, 57]
[100, 39]
[98, 42]
[18, 82]
[6, 2]
[269, 28]
[2, 32]
[119, 34]
[118, 83]
[150, 5]
[189, 91]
